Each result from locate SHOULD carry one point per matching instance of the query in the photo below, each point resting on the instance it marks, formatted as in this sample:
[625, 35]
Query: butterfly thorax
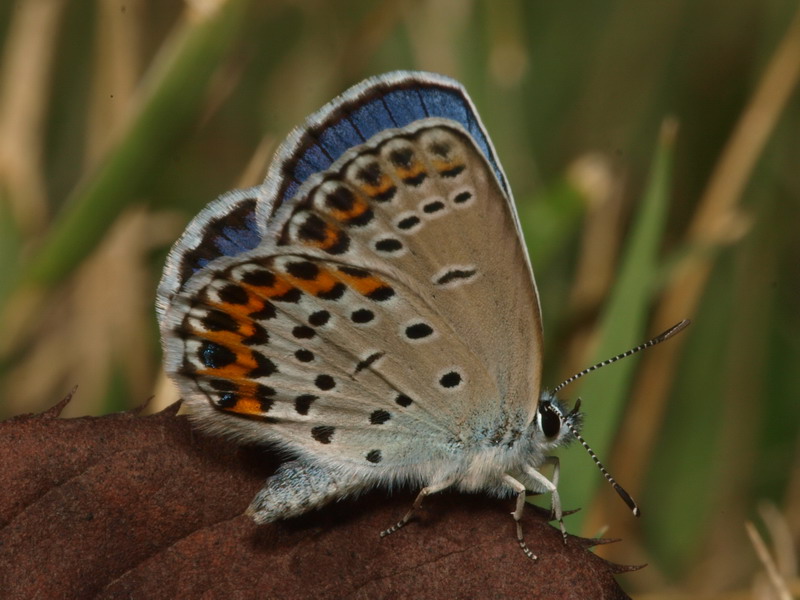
[491, 456]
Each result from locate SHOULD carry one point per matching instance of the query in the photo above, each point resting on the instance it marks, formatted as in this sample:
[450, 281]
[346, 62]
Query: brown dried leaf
[144, 507]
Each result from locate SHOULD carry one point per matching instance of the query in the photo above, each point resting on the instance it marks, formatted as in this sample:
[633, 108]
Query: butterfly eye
[551, 421]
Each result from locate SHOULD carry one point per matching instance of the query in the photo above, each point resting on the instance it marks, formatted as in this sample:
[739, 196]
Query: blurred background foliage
[654, 152]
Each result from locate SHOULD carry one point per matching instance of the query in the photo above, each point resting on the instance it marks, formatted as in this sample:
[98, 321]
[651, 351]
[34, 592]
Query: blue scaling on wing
[235, 239]
[405, 106]
[290, 189]
[313, 160]
[381, 103]
[448, 103]
[226, 227]
[339, 138]
[371, 118]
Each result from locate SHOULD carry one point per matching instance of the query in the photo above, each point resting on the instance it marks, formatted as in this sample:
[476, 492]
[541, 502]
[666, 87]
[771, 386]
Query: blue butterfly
[371, 310]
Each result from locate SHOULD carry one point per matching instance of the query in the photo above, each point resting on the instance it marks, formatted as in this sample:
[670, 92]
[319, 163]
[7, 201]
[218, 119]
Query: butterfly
[370, 310]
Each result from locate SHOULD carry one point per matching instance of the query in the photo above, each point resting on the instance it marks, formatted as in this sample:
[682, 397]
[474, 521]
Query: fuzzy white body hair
[307, 481]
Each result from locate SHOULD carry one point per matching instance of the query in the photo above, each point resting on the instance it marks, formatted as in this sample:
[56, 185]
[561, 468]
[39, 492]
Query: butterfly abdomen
[296, 488]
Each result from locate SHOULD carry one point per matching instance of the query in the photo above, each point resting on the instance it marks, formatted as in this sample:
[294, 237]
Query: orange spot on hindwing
[366, 284]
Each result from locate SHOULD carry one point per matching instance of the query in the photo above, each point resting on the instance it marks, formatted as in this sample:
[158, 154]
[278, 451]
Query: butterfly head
[555, 425]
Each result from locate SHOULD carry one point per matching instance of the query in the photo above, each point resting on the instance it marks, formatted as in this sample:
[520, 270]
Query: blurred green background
[654, 151]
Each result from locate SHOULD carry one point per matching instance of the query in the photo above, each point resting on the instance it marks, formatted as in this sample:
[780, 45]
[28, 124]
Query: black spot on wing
[389, 245]
[433, 207]
[259, 278]
[441, 149]
[215, 356]
[415, 180]
[264, 366]
[450, 380]
[323, 433]
[462, 197]
[381, 294]
[385, 195]
[418, 331]
[401, 157]
[452, 172]
[319, 318]
[312, 229]
[305, 270]
[336, 292]
[408, 222]
[354, 271]
[370, 174]
[303, 332]
[325, 382]
[292, 295]
[341, 199]
[362, 219]
[303, 402]
[379, 417]
[233, 294]
[455, 275]
[304, 355]
[259, 337]
[367, 362]
[217, 320]
[265, 313]
[362, 315]
[403, 400]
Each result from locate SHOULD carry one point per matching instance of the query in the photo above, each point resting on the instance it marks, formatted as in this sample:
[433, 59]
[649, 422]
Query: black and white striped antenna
[661, 337]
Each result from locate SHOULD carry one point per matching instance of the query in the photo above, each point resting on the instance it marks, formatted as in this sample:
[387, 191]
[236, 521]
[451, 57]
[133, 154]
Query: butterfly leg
[519, 490]
[552, 487]
[424, 492]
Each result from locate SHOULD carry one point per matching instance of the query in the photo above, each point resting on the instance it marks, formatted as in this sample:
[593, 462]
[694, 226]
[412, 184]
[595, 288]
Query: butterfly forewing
[368, 326]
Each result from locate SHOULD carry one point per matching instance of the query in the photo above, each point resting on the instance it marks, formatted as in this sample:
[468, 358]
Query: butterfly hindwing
[314, 371]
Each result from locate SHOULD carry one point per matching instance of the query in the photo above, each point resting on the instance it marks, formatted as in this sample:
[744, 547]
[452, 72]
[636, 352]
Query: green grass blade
[550, 219]
[172, 94]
